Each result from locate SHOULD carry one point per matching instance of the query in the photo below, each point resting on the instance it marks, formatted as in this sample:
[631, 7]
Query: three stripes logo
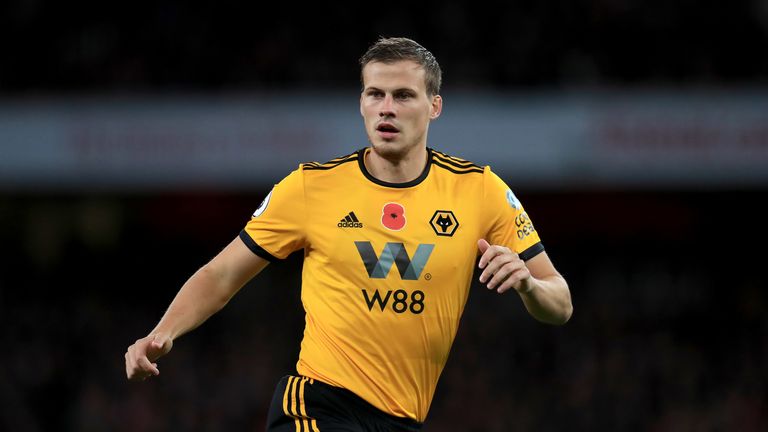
[378, 266]
[294, 405]
[350, 221]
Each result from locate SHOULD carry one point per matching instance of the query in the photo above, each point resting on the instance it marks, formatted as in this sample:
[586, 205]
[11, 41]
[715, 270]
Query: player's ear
[361, 104]
[437, 107]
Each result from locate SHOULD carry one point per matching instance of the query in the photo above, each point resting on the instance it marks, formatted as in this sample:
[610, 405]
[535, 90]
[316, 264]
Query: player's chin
[392, 152]
[387, 146]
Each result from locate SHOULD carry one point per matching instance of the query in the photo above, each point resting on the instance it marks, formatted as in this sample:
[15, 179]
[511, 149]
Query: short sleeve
[508, 223]
[276, 228]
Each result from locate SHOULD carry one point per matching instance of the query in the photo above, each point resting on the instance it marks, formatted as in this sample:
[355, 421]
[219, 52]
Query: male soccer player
[390, 235]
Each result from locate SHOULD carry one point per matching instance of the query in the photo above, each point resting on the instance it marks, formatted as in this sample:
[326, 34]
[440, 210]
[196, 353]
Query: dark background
[167, 45]
[668, 332]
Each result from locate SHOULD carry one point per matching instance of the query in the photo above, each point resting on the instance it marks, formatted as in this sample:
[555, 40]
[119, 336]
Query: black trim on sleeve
[531, 251]
[255, 248]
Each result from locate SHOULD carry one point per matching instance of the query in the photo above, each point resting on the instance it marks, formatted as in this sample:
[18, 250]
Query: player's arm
[544, 291]
[205, 293]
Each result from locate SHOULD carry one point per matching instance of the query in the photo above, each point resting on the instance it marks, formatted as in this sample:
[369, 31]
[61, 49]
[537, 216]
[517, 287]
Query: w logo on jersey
[378, 266]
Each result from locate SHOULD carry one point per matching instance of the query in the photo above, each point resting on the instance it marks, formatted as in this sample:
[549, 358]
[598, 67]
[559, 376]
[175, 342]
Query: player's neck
[396, 168]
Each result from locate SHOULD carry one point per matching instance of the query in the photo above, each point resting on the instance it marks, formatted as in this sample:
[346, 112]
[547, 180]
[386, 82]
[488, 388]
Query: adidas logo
[350, 221]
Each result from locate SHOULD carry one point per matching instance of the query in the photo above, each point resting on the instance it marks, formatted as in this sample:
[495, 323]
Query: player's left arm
[544, 291]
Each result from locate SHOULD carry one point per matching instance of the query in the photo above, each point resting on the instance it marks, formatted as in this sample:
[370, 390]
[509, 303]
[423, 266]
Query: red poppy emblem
[393, 216]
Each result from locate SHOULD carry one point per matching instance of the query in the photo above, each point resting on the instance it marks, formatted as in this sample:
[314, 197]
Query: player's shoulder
[332, 164]
[455, 165]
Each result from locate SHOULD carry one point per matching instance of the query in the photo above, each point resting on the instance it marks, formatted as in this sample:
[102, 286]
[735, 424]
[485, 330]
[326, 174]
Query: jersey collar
[361, 162]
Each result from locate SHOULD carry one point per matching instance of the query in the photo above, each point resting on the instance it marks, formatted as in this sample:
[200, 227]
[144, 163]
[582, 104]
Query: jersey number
[399, 298]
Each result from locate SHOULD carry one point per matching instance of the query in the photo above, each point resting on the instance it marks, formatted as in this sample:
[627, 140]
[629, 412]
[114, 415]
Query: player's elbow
[559, 318]
[564, 310]
[567, 303]
[565, 316]
[567, 307]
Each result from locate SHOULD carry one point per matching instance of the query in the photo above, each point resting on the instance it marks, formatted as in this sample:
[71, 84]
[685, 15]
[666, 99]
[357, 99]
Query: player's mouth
[387, 130]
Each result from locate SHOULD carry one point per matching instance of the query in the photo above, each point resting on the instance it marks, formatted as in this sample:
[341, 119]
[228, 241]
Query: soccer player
[390, 236]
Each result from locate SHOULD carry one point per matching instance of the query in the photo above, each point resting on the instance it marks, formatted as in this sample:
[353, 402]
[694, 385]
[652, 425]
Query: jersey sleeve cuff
[255, 248]
[528, 253]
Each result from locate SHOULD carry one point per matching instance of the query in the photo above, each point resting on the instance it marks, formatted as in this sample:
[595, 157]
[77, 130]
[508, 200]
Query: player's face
[396, 107]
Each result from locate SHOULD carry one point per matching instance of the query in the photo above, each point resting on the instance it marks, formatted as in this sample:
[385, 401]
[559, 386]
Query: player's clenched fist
[141, 356]
[502, 268]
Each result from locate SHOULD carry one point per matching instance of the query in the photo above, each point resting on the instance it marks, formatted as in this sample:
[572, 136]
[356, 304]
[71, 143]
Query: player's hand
[503, 269]
[141, 356]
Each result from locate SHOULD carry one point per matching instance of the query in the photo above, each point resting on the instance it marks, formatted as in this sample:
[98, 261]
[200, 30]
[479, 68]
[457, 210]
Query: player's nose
[387, 108]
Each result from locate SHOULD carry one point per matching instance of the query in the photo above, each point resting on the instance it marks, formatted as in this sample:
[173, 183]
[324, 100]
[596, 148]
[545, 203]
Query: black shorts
[302, 404]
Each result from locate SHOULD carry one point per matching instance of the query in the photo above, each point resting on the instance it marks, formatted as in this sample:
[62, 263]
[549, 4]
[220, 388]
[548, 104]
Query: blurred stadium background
[136, 140]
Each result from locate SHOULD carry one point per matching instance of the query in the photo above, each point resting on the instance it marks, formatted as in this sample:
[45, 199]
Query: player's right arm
[205, 293]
